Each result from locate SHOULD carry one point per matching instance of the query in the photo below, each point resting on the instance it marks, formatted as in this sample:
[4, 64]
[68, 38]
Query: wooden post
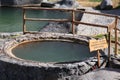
[73, 18]
[116, 36]
[109, 45]
[24, 27]
[98, 57]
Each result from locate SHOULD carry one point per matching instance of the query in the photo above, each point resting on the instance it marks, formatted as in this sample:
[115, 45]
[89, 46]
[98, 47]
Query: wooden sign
[111, 26]
[97, 44]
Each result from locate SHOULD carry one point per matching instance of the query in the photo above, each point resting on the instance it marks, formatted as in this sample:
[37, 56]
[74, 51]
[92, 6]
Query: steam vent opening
[52, 51]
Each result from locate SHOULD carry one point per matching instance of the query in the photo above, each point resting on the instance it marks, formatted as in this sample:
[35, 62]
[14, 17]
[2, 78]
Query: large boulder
[67, 4]
[106, 4]
[47, 4]
[24, 2]
[18, 2]
[7, 2]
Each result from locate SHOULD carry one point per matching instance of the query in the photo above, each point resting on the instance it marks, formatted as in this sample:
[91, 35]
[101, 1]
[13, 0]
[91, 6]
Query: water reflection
[52, 51]
[11, 19]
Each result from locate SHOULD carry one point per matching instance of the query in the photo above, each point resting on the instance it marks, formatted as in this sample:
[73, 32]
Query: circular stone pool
[47, 47]
[47, 56]
[52, 51]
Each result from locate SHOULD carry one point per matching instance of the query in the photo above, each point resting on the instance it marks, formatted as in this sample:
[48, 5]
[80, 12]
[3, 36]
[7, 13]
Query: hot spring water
[52, 51]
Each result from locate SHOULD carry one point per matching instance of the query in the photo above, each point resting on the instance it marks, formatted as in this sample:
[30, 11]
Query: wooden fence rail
[53, 20]
[90, 24]
[75, 10]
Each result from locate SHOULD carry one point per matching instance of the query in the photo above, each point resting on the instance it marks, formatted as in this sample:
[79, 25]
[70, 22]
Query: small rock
[106, 4]
[116, 63]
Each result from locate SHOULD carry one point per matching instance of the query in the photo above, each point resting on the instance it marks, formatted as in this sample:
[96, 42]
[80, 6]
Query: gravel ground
[102, 74]
[96, 19]
[114, 12]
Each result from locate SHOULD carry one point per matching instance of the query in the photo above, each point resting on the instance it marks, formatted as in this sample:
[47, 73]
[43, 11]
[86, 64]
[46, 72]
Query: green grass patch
[95, 0]
[15, 36]
[100, 36]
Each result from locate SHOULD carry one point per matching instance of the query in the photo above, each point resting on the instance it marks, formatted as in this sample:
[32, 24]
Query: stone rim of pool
[59, 70]
[38, 37]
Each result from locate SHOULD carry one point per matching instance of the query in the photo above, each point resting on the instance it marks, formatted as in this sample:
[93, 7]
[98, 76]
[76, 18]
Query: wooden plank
[24, 26]
[89, 24]
[41, 8]
[109, 51]
[97, 44]
[40, 19]
[73, 18]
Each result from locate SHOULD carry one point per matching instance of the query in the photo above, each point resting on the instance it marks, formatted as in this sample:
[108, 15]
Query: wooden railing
[73, 21]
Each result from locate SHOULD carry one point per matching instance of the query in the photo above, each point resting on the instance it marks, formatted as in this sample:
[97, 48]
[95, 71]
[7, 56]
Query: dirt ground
[89, 3]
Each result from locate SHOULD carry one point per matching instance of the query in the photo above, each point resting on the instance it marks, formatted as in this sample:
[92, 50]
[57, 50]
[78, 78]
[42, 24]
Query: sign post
[96, 45]
[98, 57]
